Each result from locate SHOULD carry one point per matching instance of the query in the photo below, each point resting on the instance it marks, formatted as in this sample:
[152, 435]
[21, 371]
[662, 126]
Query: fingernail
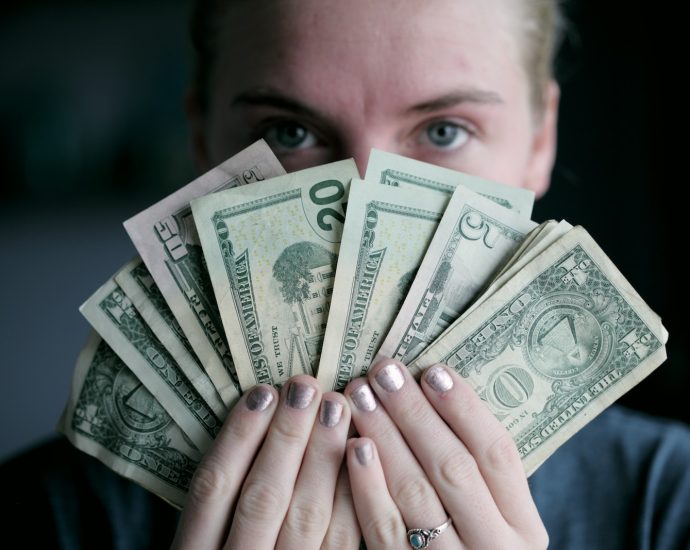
[364, 398]
[438, 378]
[299, 395]
[390, 378]
[259, 398]
[364, 453]
[330, 413]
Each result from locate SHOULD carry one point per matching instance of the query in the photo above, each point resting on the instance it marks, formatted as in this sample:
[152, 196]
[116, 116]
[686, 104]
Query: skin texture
[321, 80]
[369, 74]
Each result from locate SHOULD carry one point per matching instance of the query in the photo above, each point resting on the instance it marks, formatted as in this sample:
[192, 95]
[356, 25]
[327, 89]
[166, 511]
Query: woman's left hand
[433, 452]
[273, 476]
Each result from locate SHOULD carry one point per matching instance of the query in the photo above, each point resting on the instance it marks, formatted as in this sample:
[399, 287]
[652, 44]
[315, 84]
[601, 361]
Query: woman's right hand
[273, 477]
[433, 456]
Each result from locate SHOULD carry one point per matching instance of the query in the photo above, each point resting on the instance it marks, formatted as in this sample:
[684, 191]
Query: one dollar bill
[111, 416]
[112, 314]
[554, 346]
[141, 289]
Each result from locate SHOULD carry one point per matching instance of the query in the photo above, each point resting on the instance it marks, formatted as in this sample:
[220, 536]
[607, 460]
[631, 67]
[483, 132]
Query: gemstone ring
[421, 538]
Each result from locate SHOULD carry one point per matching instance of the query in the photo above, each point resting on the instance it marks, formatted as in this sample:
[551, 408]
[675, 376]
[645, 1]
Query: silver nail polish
[364, 453]
[299, 395]
[364, 398]
[438, 378]
[390, 378]
[259, 398]
[330, 413]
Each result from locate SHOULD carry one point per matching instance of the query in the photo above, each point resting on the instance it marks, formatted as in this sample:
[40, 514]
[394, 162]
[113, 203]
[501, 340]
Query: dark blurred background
[92, 131]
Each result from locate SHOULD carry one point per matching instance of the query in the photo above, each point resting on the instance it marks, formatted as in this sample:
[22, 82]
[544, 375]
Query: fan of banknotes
[249, 275]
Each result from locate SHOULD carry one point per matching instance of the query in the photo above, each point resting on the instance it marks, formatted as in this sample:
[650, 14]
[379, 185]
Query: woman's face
[320, 80]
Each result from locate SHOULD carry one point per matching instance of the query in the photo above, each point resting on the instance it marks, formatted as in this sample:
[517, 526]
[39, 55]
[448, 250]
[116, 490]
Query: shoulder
[62, 497]
[629, 437]
[622, 481]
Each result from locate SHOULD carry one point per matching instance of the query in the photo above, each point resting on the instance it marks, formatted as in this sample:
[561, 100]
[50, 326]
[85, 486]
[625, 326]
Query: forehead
[376, 51]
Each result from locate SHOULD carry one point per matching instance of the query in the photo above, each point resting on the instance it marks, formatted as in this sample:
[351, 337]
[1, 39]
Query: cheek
[506, 164]
[504, 156]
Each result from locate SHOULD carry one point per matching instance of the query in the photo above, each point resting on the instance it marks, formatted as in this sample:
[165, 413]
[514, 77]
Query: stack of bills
[250, 275]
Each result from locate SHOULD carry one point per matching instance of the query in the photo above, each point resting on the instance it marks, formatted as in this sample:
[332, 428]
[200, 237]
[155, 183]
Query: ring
[421, 538]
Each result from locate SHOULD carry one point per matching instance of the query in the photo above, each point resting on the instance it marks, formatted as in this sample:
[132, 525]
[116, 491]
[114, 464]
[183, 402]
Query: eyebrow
[272, 98]
[470, 95]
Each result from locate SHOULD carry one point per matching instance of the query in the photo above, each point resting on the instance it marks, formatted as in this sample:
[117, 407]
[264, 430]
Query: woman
[461, 83]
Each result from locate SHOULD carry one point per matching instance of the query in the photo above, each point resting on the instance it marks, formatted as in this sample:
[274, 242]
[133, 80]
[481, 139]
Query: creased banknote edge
[593, 409]
[187, 363]
[93, 315]
[172, 496]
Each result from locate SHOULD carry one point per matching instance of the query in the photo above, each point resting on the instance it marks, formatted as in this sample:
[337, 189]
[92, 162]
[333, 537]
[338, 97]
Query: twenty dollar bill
[386, 234]
[271, 250]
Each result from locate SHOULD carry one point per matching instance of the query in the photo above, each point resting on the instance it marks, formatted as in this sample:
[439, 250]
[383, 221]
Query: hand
[269, 480]
[433, 452]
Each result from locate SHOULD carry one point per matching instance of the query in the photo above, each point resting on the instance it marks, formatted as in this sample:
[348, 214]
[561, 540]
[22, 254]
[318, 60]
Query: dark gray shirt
[621, 482]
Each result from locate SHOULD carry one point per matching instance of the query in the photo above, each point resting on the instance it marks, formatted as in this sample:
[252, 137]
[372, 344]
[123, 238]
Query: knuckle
[210, 484]
[383, 531]
[259, 502]
[242, 430]
[340, 537]
[306, 518]
[502, 452]
[418, 409]
[290, 433]
[458, 470]
[413, 492]
[466, 404]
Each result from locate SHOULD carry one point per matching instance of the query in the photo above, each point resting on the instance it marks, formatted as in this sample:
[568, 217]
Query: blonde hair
[543, 25]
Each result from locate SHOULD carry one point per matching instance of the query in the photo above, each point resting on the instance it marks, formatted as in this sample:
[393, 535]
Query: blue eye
[288, 136]
[446, 135]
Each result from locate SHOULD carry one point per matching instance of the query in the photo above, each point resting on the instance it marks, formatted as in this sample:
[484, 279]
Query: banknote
[138, 285]
[532, 237]
[397, 171]
[166, 238]
[554, 346]
[113, 316]
[111, 416]
[271, 250]
[474, 238]
[550, 234]
[386, 234]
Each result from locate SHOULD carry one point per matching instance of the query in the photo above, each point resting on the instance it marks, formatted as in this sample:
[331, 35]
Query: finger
[486, 439]
[379, 518]
[343, 532]
[409, 486]
[449, 465]
[219, 477]
[310, 510]
[268, 488]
